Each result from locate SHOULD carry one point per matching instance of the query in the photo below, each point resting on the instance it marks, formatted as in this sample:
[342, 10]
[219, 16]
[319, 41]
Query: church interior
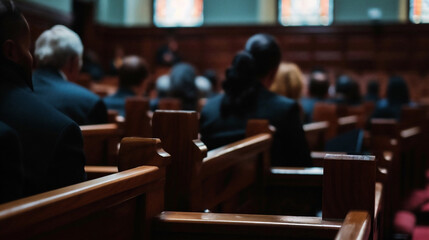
[214, 119]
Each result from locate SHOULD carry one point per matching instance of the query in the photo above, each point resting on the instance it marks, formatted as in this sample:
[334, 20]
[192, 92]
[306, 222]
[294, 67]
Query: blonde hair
[288, 81]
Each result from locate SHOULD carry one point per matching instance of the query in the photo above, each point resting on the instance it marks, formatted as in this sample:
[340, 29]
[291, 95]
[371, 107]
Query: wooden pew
[189, 225]
[119, 206]
[223, 180]
[315, 133]
[337, 117]
[138, 117]
[100, 143]
[169, 104]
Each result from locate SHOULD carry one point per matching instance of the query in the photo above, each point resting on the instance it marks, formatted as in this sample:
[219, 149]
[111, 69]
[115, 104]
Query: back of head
[266, 53]
[133, 72]
[56, 46]
[319, 85]
[14, 41]
[348, 88]
[182, 85]
[288, 81]
[372, 90]
[11, 20]
[397, 91]
[260, 58]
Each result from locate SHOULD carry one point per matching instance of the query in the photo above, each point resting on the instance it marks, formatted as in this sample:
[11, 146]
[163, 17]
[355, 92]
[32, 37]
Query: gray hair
[56, 46]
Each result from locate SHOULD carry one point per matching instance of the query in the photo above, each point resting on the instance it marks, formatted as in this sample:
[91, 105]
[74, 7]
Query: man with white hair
[58, 55]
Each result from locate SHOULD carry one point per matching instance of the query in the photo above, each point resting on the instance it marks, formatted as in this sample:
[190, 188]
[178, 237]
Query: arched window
[178, 13]
[419, 11]
[305, 12]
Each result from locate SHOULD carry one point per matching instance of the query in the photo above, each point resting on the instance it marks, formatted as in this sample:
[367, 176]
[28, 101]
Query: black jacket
[78, 103]
[52, 149]
[289, 146]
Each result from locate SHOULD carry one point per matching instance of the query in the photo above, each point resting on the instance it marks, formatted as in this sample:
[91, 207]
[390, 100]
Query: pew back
[100, 143]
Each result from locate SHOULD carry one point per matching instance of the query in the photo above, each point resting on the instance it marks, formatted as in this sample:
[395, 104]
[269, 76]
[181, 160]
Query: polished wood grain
[185, 225]
[100, 143]
[178, 132]
[135, 152]
[356, 225]
[93, 172]
[348, 184]
[137, 117]
[117, 206]
[229, 179]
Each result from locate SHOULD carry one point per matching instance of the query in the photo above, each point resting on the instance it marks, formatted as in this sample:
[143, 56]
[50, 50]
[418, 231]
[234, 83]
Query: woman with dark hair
[397, 96]
[224, 117]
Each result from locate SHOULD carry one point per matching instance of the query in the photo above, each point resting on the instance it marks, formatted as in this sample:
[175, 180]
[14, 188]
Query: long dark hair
[261, 55]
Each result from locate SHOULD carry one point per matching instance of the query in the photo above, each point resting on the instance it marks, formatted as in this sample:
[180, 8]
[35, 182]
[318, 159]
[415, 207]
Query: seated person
[224, 117]
[51, 143]
[59, 58]
[183, 83]
[318, 92]
[347, 91]
[397, 96]
[372, 91]
[288, 81]
[11, 168]
[132, 74]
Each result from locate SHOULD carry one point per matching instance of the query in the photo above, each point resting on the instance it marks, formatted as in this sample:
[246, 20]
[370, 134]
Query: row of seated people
[242, 89]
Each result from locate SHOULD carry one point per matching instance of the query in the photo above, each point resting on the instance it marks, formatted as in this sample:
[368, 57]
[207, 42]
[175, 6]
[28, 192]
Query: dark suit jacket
[116, 101]
[11, 168]
[289, 147]
[51, 142]
[78, 103]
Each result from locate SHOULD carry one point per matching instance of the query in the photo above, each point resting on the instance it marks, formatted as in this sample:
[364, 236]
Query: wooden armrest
[353, 119]
[245, 224]
[356, 226]
[94, 172]
[315, 126]
[223, 157]
[410, 132]
[295, 176]
[317, 157]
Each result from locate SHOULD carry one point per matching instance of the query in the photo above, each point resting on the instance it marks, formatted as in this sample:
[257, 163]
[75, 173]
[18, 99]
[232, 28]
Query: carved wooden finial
[135, 152]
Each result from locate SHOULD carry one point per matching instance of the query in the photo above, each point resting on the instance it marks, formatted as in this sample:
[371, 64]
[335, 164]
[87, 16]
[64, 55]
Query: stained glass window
[419, 11]
[305, 12]
[178, 13]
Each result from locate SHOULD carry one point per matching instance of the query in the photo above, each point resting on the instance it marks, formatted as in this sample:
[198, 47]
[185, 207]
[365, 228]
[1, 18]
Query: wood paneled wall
[380, 47]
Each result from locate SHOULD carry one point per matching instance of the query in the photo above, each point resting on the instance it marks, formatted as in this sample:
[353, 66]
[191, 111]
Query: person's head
[348, 89]
[319, 85]
[132, 72]
[182, 85]
[372, 89]
[15, 40]
[255, 65]
[266, 54]
[288, 81]
[397, 91]
[60, 48]
[211, 75]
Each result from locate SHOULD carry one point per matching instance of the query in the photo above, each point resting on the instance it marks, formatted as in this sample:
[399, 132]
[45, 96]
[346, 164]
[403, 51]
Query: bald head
[132, 72]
